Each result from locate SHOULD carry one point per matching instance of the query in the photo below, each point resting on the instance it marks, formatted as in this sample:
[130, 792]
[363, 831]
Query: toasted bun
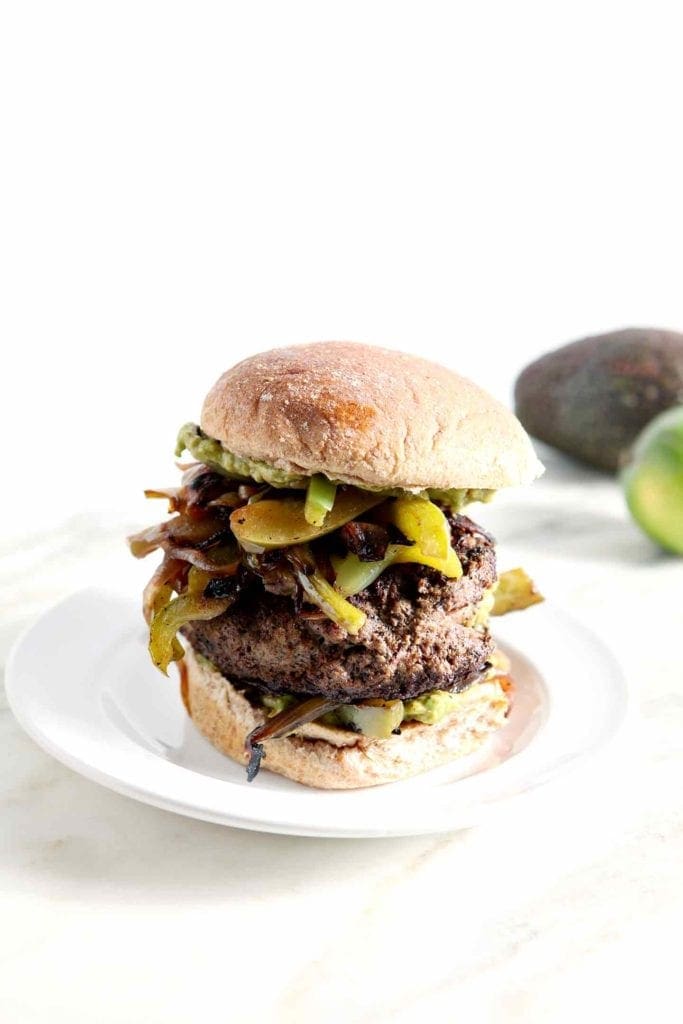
[368, 416]
[328, 758]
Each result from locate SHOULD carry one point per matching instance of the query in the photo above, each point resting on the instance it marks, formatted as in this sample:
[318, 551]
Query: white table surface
[113, 911]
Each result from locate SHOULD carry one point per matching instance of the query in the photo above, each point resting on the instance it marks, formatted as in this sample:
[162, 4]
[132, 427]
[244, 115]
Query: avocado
[431, 707]
[593, 397]
[653, 480]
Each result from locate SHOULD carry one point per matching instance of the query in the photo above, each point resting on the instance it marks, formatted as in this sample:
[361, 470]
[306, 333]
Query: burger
[323, 592]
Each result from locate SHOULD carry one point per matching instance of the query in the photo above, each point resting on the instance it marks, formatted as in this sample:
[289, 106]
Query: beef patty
[416, 636]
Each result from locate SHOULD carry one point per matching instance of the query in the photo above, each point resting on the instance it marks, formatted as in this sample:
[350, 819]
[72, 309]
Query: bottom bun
[328, 758]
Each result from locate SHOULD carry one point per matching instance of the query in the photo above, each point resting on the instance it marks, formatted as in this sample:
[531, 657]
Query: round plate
[81, 684]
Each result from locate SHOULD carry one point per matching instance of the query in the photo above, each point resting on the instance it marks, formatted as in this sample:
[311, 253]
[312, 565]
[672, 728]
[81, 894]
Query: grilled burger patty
[416, 637]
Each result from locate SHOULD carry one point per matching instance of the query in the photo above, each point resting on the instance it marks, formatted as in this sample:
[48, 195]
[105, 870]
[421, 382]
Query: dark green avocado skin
[592, 398]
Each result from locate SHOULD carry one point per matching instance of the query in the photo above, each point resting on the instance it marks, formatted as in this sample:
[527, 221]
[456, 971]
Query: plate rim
[481, 810]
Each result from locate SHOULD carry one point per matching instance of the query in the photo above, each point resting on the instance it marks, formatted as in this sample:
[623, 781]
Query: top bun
[367, 416]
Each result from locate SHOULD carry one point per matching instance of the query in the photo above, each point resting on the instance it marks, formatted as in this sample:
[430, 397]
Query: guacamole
[430, 708]
[211, 452]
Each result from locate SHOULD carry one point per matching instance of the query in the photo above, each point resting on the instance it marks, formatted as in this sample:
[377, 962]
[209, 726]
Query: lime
[653, 480]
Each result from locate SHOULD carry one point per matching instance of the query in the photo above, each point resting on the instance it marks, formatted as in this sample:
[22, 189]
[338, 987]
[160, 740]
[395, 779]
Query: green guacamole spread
[205, 449]
[211, 452]
[429, 708]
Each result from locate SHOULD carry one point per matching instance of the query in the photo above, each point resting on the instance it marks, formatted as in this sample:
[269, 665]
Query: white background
[183, 184]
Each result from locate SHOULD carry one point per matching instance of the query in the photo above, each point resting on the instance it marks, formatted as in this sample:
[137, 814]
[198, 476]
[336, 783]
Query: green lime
[653, 480]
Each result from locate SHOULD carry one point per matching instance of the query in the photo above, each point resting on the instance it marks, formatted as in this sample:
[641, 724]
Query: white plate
[81, 684]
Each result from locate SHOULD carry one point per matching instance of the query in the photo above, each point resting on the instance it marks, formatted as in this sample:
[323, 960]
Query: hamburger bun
[370, 417]
[328, 758]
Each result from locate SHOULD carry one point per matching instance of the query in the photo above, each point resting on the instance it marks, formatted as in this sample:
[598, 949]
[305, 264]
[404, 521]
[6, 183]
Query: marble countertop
[115, 912]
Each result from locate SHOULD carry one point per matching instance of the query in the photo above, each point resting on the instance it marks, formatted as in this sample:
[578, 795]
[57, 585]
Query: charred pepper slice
[320, 497]
[515, 591]
[163, 645]
[282, 523]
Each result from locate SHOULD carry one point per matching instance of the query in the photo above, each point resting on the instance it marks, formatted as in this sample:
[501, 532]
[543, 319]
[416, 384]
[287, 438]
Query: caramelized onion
[224, 561]
[275, 571]
[148, 540]
[201, 533]
[282, 725]
[230, 500]
[367, 540]
[174, 496]
[202, 485]
[163, 578]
